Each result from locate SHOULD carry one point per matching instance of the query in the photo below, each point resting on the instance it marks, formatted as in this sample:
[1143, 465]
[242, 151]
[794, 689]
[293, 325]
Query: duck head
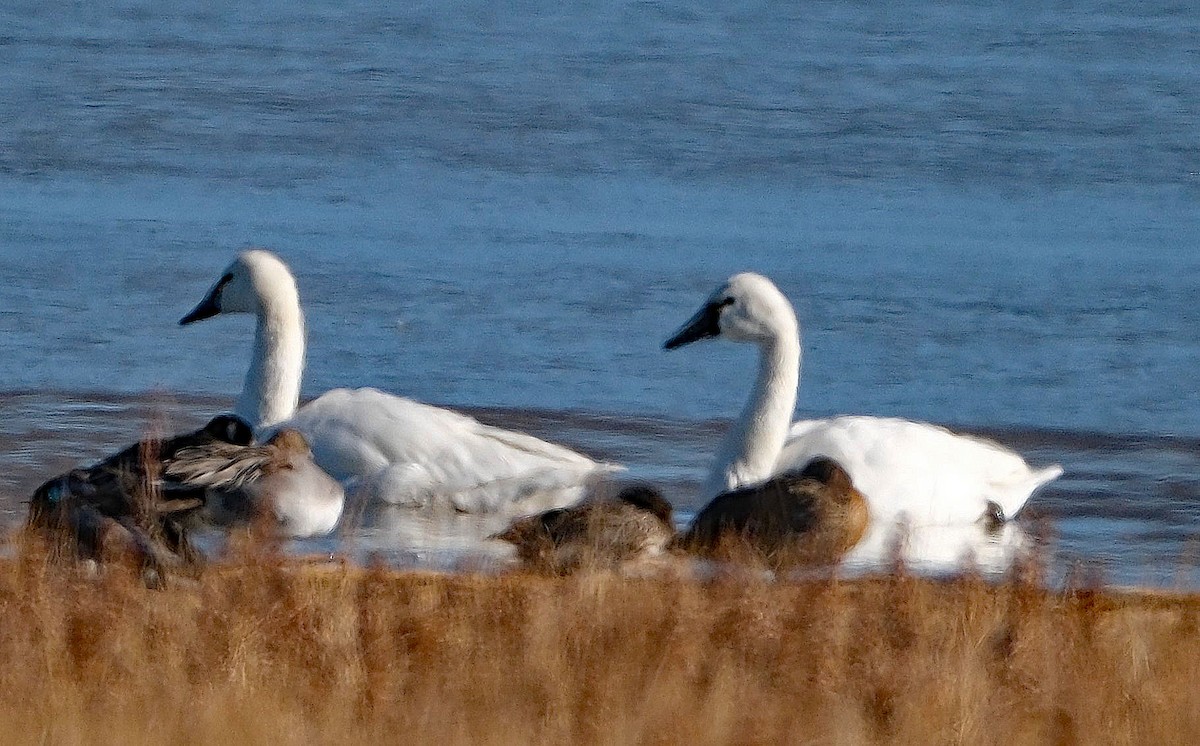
[229, 428]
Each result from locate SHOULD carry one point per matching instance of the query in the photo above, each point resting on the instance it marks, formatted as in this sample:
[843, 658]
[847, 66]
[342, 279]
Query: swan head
[253, 281]
[746, 308]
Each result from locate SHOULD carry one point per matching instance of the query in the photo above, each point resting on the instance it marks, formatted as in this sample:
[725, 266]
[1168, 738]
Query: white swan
[923, 472]
[383, 446]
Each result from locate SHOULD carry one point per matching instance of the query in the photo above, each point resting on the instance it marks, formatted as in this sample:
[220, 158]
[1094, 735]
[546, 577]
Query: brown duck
[607, 533]
[810, 516]
[121, 504]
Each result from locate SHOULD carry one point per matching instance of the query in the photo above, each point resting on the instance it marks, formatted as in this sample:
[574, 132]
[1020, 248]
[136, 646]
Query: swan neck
[752, 446]
[272, 389]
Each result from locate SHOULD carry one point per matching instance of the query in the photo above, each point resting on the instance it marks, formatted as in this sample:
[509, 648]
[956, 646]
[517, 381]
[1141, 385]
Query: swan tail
[1048, 474]
[1012, 497]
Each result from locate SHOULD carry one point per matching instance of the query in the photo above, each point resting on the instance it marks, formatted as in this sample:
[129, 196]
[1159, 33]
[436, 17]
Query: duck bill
[207, 309]
[705, 324]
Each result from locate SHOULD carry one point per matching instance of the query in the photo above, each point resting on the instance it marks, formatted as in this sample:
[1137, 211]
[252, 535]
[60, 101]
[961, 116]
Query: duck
[908, 471]
[143, 501]
[118, 506]
[812, 515]
[276, 481]
[379, 445]
[607, 533]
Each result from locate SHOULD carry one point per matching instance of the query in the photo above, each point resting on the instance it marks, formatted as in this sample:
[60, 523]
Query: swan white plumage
[922, 472]
[941, 548]
[379, 445]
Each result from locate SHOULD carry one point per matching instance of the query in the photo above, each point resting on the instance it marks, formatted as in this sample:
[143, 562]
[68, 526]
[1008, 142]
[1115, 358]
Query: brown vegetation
[266, 649]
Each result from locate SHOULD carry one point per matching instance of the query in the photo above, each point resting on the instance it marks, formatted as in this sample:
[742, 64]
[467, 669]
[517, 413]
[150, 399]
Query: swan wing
[923, 471]
[411, 453]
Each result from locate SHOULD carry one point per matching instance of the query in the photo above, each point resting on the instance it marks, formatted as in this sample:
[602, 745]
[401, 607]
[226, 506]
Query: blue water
[986, 217]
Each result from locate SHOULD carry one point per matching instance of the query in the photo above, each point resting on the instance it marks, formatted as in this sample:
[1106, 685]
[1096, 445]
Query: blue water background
[985, 214]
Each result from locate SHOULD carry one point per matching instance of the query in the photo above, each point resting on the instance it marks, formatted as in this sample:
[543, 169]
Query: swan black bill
[706, 323]
[207, 309]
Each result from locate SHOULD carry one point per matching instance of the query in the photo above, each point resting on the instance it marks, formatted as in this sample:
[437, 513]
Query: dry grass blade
[271, 649]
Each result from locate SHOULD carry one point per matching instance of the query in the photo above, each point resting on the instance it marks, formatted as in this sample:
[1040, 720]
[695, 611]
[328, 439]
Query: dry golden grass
[264, 649]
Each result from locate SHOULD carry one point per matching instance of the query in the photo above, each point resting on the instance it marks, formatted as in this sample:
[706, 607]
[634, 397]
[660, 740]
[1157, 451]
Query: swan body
[379, 445]
[911, 470]
[415, 455]
[943, 548]
[920, 470]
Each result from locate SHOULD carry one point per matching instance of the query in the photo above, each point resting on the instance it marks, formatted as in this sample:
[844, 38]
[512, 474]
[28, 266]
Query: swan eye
[726, 302]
